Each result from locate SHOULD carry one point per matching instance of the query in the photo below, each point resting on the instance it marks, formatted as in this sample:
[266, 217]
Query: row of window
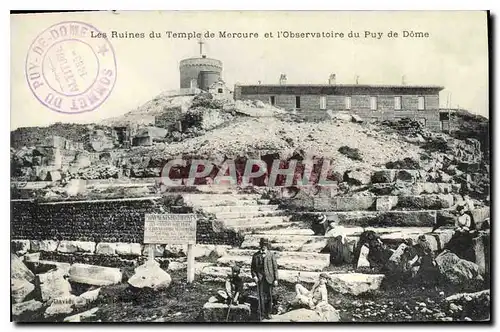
[373, 102]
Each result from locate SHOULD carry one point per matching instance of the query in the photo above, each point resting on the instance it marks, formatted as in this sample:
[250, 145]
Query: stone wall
[114, 221]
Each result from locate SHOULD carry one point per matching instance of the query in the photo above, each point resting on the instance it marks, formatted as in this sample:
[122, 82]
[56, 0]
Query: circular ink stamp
[71, 67]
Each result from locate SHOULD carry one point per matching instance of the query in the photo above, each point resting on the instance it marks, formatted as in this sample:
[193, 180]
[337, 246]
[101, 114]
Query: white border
[492, 5]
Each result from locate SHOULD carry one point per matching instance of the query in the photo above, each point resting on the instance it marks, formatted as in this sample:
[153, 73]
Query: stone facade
[371, 102]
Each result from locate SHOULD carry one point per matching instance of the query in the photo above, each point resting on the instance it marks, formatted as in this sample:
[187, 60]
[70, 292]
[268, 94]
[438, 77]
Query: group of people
[264, 271]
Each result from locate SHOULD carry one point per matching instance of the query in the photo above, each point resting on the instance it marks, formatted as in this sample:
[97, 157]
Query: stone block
[18, 270]
[76, 246]
[217, 312]
[33, 257]
[94, 275]
[407, 175]
[20, 289]
[29, 306]
[104, 248]
[355, 283]
[386, 203]
[158, 250]
[53, 285]
[43, 245]
[481, 245]
[81, 316]
[128, 249]
[150, 275]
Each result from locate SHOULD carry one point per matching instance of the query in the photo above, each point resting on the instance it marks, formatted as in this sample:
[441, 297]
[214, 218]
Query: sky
[454, 55]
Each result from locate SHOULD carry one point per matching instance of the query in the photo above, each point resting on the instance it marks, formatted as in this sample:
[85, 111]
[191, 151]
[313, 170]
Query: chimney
[332, 80]
[283, 79]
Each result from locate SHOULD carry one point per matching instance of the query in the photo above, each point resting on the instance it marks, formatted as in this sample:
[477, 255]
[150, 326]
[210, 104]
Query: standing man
[265, 273]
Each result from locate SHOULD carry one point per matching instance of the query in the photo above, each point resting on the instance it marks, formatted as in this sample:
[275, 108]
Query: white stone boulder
[355, 283]
[458, 271]
[94, 275]
[56, 309]
[150, 275]
[53, 285]
[386, 203]
[81, 316]
[18, 270]
[104, 248]
[20, 289]
[307, 315]
[128, 249]
[76, 246]
[43, 245]
[29, 306]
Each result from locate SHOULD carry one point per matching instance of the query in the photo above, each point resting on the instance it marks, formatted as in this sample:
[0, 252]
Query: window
[219, 90]
[297, 102]
[272, 100]
[397, 103]
[373, 103]
[322, 102]
[421, 103]
[347, 103]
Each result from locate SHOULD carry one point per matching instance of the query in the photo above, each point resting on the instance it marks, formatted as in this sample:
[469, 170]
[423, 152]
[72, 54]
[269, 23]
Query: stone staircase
[403, 204]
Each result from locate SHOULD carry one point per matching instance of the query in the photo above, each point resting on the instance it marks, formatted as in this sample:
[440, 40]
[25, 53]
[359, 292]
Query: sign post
[172, 228]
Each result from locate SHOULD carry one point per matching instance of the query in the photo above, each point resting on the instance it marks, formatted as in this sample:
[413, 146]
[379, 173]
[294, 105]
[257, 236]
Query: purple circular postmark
[71, 67]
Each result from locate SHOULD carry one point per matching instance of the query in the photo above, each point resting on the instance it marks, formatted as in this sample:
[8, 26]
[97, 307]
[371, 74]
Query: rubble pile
[94, 172]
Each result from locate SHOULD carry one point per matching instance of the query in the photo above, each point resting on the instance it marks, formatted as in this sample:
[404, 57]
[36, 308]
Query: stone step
[251, 228]
[220, 197]
[282, 254]
[343, 282]
[283, 263]
[418, 188]
[247, 214]
[312, 243]
[383, 203]
[379, 218]
[255, 220]
[240, 208]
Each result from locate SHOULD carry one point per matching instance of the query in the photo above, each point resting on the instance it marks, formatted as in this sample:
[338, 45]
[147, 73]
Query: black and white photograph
[250, 167]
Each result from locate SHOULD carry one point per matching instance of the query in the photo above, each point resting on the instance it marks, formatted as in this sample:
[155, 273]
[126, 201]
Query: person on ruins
[264, 270]
[320, 225]
[234, 286]
[312, 299]
[465, 222]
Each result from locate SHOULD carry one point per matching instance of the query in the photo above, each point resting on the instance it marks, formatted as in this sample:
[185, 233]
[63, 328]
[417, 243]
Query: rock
[363, 257]
[458, 271]
[213, 299]
[53, 285]
[89, 296]
[386, 203]
[150, 275]
[83, 315]
[43, 245]
[20, 289]
[306, 315]
[28, 306]
[395, 263]
[355, 283]
[174, 251]
[467, 319]
[94, 275]
[18, 270]
[218, 252]
[356, 118]
[175, 266]
[358, 177]
[384, 176]
[469, 296]
[217, 312]
[56, 309]
[106, 248]
[20, 247]
[34, 257]
[342, 116]
[481, 247]
[128, 249]
[76, 246]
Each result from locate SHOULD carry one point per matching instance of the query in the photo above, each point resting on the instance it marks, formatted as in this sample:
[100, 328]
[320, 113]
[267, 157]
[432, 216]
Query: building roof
[360, 86]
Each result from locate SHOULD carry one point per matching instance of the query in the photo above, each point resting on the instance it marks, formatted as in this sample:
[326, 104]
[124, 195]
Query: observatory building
[200, 72]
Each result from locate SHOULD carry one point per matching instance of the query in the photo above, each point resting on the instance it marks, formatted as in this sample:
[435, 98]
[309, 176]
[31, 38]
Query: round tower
[203, 70]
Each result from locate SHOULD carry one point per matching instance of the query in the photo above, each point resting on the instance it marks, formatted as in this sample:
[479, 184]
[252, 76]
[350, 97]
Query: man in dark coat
[264, 271]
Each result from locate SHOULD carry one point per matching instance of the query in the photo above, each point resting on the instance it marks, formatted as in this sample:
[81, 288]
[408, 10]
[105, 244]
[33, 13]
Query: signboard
[170, 228]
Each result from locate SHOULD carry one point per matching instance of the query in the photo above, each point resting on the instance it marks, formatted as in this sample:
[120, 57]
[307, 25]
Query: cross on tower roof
[201, 42]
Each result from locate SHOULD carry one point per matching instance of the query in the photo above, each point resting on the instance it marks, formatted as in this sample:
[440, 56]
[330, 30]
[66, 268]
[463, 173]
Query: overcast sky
[455, 55]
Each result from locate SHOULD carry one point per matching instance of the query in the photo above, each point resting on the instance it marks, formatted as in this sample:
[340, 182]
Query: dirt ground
[183, 302]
